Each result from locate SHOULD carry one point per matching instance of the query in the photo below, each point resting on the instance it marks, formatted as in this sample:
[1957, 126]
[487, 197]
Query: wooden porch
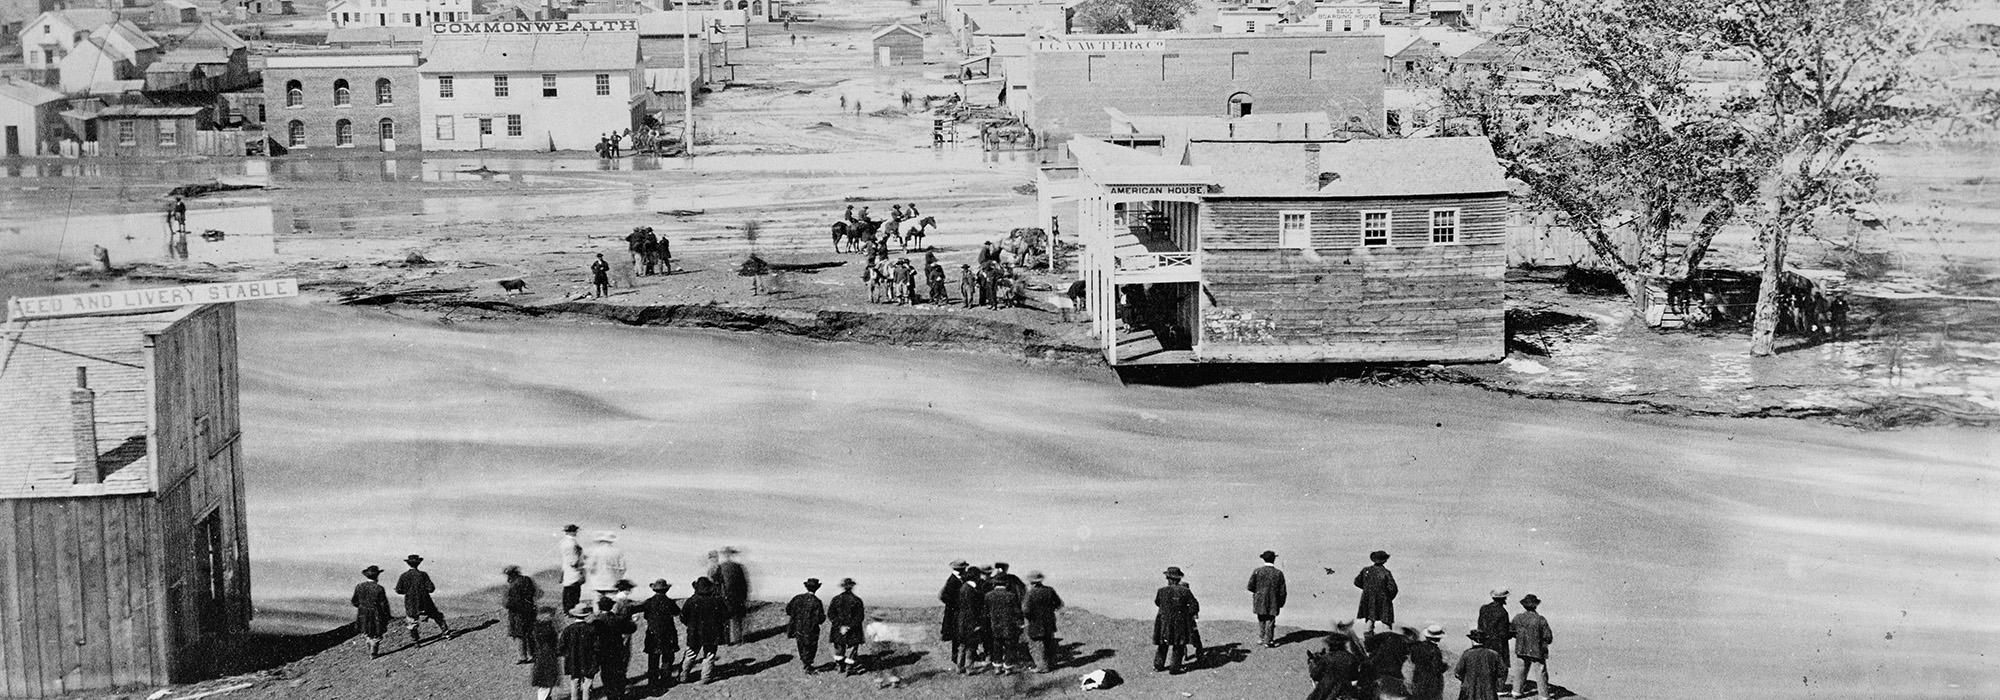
[1142, 347]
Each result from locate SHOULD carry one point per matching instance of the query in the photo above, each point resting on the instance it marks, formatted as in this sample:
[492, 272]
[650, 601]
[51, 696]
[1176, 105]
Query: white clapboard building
[528, 85]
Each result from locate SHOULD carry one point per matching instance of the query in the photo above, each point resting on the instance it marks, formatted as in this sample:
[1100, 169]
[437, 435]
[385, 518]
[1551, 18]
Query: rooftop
[376, 35]
[493, 53]
[148, 111]
[1356, 168]
[27, 93]
[83, 20]
[38, 361]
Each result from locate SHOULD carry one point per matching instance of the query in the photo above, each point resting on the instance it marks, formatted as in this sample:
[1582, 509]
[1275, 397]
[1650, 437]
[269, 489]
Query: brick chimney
[83, 428]
[1312, 166]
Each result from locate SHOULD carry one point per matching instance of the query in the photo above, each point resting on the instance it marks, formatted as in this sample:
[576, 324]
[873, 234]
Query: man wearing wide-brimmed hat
[371, 609]
[1494, 623]
[1267, 597]
[614, 638]
[416, 588]
[578, 642]
[803, 617]
[1173, 624]
[845, 617]
[1427, 665]
[519, 602]
[1378, 592]
[707, 618]
[604, 564]
[1480, 669]
[1040, 614]
[1531, 638]
[733, 582]
[663, 638]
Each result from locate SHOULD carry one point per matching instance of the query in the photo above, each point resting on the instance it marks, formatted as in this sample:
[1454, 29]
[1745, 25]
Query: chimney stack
[83, 428]
[1313, 170]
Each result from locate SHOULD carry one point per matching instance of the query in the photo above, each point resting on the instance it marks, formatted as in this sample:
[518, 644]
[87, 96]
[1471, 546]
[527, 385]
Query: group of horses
[858, 236]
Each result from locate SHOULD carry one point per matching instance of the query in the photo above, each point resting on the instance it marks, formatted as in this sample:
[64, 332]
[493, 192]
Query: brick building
[343, 99]
[1070, 82]
[1290, 249]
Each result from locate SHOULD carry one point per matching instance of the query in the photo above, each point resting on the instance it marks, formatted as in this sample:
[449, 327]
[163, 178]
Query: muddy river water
[1677, 557]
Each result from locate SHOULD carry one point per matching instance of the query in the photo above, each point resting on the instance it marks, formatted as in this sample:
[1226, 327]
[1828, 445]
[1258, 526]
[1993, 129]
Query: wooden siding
[79, 597]
[1336, 223]
[904, 48]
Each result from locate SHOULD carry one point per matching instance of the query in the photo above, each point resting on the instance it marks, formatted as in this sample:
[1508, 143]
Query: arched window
[295, 134]
[1239, 105]
[757, 7]
[295, 94]
[388, 131]
[341, 95]
[343, 133]
[384, 92]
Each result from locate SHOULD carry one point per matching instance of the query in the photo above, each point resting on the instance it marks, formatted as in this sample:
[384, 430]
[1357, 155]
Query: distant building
[400, 13]
[203, 58]
[49, 37]
[121, 501]
[1407, 55]
[897, 45]
[356, 37]
[153, 131]
[1070, 82]
[173, 12]
[343, 99]
[1289, 249]
[30, 119]
[527, 92]
[1260, 16]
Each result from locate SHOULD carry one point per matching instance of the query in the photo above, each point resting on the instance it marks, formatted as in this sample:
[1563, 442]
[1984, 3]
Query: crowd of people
[993, 621]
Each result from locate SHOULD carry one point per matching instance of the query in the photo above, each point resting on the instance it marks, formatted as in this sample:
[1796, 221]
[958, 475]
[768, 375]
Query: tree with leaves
[1128, 16]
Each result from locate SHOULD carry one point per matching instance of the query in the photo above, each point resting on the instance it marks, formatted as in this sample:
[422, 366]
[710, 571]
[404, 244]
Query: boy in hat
[1040, 608]
[968, 285]
[1378, 592]
[804, 615]
[371, 609]
[1173, 624]
[1427, 665]
[707, 618]
[662, 637]
[1479, 669]
[519, 602]
[846, 615]
[1531, 643]
[571, 552]
[578, 644]
[1267, 597]
[949, 597]
[415, 587]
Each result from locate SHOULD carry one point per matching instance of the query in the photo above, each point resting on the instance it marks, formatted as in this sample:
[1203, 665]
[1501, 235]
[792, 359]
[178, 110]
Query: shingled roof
[1358, 168]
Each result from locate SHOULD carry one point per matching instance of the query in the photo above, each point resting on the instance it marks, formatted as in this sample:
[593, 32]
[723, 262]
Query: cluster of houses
[169, 79]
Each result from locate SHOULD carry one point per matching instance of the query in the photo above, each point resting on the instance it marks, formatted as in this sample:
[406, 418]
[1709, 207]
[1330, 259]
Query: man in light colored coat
[604, 565]
[1531, 642]
[571, 553]
[1267, 596]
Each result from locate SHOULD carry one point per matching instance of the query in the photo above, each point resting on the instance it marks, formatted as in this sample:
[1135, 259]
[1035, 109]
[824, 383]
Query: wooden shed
[122, 545]
[897, 45]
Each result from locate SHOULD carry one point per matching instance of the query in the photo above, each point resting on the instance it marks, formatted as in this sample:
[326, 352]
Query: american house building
[1259, 249]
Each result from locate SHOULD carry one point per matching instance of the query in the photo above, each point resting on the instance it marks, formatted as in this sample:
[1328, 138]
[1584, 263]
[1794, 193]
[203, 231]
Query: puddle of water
[138, 237]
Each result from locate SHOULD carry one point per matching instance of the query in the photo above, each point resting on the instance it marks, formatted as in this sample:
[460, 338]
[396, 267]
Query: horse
[853, 234]
[913, 231]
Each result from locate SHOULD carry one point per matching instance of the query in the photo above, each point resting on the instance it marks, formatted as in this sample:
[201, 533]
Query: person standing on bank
[734, 581]
[371, 609]
[1479, 669]
[1003, 621]
[415, 587]
[546, 653]
[707, 618]
[846, 616]
[663, 639]
[519, 602]
[1002, 578]
[1378, 592]
[948, 595]
[1427, 666]
[600, 276]
[1173, 624]
[571, 553]
[604, 565]
[804, 615]
[1267, 597]
[614, 639]
[971, 646]
[1495, 626]
[1531, 643]
[578, 643]
[1041, 607]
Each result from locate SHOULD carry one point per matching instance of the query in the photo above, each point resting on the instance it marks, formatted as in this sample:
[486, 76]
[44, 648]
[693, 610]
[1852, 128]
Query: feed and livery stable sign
[129, 300]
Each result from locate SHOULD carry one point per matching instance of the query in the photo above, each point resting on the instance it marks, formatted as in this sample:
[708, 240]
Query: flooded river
[1677, 558]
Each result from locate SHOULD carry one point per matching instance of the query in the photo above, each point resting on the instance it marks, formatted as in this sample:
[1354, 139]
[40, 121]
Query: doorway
[13, 141]
[1239, 105]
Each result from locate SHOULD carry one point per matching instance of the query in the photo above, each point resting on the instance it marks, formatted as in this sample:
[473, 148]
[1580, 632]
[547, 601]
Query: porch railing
[1140, 262]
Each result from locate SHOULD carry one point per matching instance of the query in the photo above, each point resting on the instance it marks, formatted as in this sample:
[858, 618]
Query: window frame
[549, 86]
[295, 134]
[514, 126]
[1457, 225]
[343, 94]
[445, 127]
[447, 88]
[501, 88]
[128, 132]
[343, 133]
[1388, 228]
[1304, 231]
[385, 130]
[603, 82]
[385, 92]
[295, 94]
[167, 133]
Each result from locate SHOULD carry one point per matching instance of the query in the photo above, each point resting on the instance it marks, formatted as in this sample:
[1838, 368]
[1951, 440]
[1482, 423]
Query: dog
[516, 286]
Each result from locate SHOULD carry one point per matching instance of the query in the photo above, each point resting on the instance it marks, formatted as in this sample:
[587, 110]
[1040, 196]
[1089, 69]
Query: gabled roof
[1357, 168]
[177, 4]
[208, 35]
[126, 37]
[1109, 164]
[79, 20]
[1453, 43]
[1396, 39]
[897, 27]
[27, 93]
[493, 53]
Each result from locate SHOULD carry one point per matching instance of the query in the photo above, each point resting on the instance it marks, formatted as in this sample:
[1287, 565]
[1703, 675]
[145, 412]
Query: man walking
[519, 602]
[416, 588]
[371, 609]
[578, 643]
[1495, 626]
[604, 565]
[805, 614]
[662, 641]
[1173, 623]
[707, 618]
[600, 276]
[1041, 608]
[847, 616]
[1378, 592]
[1427, 666]
[1003, 621]
[1267, 597]
[1532, 638]
[1479, 670]
[735, 584]
[571, 553]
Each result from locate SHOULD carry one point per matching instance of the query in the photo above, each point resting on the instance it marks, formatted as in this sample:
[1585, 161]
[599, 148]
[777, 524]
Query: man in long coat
[371, 609]
[1531, 642]
[734, 584]
[949, 597]
[1495, 625]
[970, 644]
[578, 643]
[1041, 608]
[415, 587]
[1173, 624]
[1427, 666]
[1479, 670]
[604, 565]
[519, 602]
[571, 553]
[846, 616]
[1267, 597]
[1378, 592]
[663, 638]
[804, 615]
[1003, 623]
[545, 652]
[614, 646]
[707, 618]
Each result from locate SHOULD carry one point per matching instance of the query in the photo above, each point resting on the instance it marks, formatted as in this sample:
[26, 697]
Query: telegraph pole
[693, 76]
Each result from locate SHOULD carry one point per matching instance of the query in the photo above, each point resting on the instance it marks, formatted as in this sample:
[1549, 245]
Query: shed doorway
[1239, 105]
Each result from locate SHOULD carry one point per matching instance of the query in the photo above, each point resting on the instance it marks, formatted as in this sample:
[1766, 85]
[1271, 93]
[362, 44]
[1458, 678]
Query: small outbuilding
[897, 45]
